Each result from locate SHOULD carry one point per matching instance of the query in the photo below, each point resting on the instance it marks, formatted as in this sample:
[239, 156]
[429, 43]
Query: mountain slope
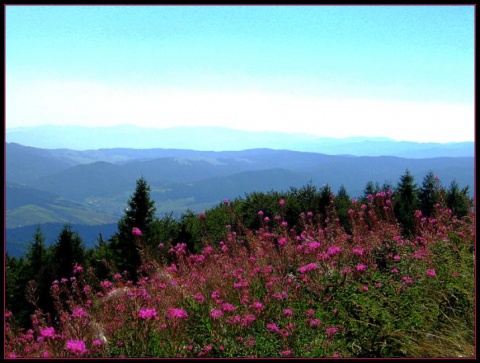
[78, 186]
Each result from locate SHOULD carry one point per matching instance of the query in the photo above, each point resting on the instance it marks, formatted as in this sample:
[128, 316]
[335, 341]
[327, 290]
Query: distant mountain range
[90, 188]
[223, 139]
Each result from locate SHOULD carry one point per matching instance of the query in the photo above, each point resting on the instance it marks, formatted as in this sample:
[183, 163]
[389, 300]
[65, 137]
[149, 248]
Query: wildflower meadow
[276, 291]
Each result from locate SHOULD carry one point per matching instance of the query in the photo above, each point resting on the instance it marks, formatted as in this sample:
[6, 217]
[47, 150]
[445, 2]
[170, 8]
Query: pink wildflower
[106, 284]
[358, 251]
[331, 331]
[199, 297]
[117, 276]
[306, 268]
[76, 347]
[431, 272]
[288, 312]
[147, 314]
[228, 307]
[177, 313]
[258, 305]
[314, 322]
[216, 314]
[334, 250]
[248, 319]
[273, 327]
[78, 312]
[136, 232]
[48, 332]
[282, 202]
[286, 353]
[77, 268]
[215, 294]
[361, 267]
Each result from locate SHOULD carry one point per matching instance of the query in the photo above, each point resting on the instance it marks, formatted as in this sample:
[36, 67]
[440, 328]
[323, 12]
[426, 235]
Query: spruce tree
[16, 279]
[326, 196]
[67, 251]
[37, 265]
[429, 194]
[342, 204]
[458, 200]
[139, 214]
[406, 202]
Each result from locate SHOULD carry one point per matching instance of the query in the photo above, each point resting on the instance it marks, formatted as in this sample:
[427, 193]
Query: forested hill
[92, 187]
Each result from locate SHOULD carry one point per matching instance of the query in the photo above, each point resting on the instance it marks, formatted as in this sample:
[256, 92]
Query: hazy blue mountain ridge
[181, 182]
[223, 139]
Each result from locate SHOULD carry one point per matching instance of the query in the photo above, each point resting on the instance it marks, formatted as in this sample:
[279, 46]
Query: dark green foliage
[458, 200]
[248, 208]
[99, 258]
[139, 214]
[370, 189]
[16, 278]
[37, 266]
[326, 197]
[342, 203]
[429, 194]
[406, 202]
[190, 231]
[164, 232]
[67, 251]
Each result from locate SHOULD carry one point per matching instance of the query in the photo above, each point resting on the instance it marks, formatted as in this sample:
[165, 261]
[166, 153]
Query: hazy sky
[405, 72]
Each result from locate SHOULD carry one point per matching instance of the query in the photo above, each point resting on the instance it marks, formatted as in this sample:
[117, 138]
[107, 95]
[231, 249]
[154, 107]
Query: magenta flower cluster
[136, 232]
[48, 332]
[147, 313]
[76, 347]
[310, 267]
[177, 313]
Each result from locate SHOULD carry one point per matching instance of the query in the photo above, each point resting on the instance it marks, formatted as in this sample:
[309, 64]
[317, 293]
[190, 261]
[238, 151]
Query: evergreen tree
[37, 266]
[326, 196]
[458, 200]
[67, 251]
[429, 194]
[406, 202]
[303, 200]
[342, 204]
[371, 189]
[99, 258]
[16, 279]
[139, 214]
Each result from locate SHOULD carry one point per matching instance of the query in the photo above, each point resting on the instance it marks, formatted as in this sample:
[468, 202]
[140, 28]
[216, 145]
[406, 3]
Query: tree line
[29, 278]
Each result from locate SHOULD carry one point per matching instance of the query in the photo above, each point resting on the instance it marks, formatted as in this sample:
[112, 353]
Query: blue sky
[405, 72]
